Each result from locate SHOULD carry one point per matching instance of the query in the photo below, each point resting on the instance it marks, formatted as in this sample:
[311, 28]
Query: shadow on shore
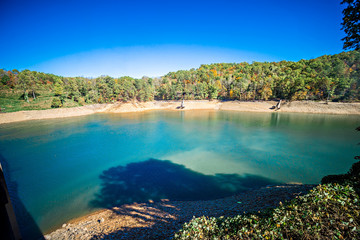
[155, 180]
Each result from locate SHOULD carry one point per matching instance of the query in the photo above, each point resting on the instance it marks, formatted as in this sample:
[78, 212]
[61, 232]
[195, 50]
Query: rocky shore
[160, 220]
[250, 106]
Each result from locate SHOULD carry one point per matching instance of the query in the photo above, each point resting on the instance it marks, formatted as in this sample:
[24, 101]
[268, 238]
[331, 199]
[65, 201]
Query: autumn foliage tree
[328, 78]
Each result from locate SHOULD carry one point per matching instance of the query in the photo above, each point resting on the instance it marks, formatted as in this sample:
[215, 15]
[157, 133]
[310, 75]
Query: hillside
[330, 77]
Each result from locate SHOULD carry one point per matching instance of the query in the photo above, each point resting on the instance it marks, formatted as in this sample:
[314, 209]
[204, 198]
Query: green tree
[34, 83]
[351, 24]
[56, 103]
[24, 83]
[126, 88]
[213, 91]
[58, 89]
[4, 78]
[201, 91]
[72, 89]
[92, 96]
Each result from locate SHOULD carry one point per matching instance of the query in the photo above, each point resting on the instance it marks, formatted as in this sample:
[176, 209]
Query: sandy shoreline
[160, 220]
[256, 106]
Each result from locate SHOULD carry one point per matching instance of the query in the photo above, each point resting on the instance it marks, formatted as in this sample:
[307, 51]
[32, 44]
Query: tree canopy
[351, 24]
[329, 77]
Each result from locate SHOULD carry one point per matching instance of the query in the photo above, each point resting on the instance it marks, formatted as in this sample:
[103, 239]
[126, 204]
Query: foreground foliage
[329, 211]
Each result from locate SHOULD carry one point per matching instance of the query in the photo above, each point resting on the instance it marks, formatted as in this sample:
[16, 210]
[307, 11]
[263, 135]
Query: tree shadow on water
[157, 180]
[161, 179]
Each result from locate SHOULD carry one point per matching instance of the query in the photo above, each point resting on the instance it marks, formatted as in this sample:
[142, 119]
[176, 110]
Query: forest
[329, 78]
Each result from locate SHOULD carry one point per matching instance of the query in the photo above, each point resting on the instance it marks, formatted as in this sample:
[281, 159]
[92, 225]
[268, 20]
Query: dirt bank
[261, 106]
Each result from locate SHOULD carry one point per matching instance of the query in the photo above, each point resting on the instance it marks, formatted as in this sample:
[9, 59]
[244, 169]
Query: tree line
[330, 77]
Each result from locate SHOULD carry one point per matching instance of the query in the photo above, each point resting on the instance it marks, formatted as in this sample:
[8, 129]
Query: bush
[81, 101]
[341, 178]
[56, 103]
[351, 177]
[328, 211]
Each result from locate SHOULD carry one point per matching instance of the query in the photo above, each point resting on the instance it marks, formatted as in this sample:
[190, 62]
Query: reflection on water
[57, 163]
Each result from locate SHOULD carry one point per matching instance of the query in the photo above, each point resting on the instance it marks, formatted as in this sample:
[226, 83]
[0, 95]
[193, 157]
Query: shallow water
[72, 166]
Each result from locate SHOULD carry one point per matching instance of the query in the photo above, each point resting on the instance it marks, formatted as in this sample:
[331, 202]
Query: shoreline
[161, 220]
[151, 218]
[256, 106]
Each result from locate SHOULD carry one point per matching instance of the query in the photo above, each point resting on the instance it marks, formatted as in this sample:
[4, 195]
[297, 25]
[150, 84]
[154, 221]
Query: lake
[60, 169]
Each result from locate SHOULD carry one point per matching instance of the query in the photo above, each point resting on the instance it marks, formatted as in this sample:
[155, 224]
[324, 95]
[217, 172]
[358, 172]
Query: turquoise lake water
[60, 169]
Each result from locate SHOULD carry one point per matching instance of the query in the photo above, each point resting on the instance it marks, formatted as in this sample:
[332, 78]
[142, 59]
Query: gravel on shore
[161, 220]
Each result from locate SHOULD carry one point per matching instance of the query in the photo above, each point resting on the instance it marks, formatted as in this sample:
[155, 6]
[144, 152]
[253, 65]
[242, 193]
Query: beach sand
[251, 106]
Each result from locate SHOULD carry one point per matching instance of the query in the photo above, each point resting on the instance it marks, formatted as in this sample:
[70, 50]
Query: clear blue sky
[136, 38]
